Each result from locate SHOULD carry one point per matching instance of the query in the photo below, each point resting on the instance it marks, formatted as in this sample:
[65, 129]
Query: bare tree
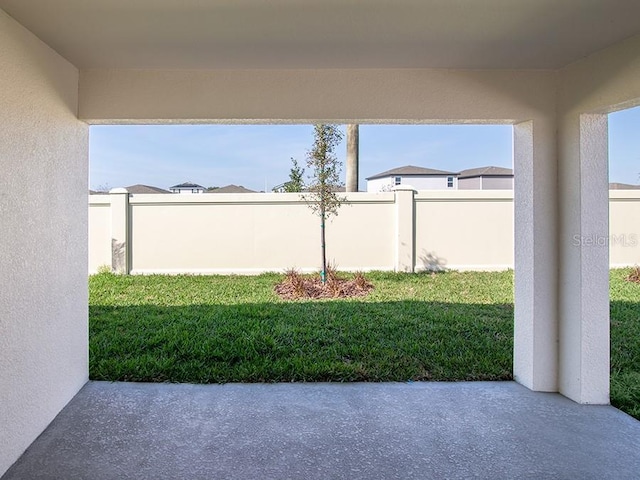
[321, 196]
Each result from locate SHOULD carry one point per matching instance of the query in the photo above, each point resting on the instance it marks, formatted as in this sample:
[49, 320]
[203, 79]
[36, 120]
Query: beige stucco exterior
[43, 251]
[561, 340]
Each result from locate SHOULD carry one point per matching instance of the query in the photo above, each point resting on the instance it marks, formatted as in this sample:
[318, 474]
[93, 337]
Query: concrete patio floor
[330, 431]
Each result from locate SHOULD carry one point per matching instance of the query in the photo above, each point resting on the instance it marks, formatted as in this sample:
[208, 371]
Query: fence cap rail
[624, 194]
[251, 198]
[466, 195]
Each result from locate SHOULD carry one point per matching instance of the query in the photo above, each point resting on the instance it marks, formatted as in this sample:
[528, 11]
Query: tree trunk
[323, 246]
[353, 154]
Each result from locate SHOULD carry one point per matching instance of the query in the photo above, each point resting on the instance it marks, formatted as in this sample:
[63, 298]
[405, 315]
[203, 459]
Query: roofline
[491, 175]
[443, 174]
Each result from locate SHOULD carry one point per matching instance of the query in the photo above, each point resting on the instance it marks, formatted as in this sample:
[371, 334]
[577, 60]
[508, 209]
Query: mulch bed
[634, 276]
[296, 286]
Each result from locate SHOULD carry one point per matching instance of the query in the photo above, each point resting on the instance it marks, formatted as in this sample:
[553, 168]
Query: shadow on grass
[302, 341]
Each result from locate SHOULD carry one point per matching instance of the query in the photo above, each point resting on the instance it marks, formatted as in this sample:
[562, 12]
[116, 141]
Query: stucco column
[584, 259]
[119, 230]
[535, 363]
[405, 228]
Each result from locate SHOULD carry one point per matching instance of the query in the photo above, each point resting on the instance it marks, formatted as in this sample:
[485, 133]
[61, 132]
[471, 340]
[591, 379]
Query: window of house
[449, 182]
[397, 180]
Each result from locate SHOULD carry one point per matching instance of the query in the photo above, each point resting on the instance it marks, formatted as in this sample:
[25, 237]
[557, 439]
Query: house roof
[486, 172]
[409, 170]
[188, 185]
[246, 34]
[623, 186]
[138, 188]
[231, 189]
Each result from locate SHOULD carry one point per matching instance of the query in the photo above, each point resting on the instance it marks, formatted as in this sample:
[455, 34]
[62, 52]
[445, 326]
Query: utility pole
[352, 157]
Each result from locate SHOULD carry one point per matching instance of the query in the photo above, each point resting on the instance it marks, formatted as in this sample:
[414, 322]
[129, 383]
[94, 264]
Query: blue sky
[259, 155]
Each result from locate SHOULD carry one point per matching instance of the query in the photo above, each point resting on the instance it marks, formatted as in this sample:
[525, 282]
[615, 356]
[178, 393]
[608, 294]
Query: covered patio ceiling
[301, 34]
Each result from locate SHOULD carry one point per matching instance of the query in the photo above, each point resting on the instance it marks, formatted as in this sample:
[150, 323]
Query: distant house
[418, 177]
[486, 178]
[144, 189]
[187, 187]
[231, 189]
[623, 186]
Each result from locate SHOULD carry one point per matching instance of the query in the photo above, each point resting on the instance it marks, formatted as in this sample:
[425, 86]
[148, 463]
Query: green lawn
[625, 343]
[210, 329]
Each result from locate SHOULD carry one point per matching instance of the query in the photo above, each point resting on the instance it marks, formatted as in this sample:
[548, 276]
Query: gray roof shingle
[143, 189]
[486, 172]
[623, 186]
[231, 189]
[409, 170]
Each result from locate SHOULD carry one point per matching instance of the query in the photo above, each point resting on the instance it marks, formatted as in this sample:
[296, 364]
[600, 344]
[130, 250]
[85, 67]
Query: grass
[210, 329]
[625, 343]
[216, 329]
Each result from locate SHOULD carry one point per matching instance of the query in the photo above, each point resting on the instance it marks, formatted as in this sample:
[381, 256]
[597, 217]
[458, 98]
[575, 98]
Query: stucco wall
[464, 230]
[43, 246]
[254, 233]
[624, 229]
[99, 232]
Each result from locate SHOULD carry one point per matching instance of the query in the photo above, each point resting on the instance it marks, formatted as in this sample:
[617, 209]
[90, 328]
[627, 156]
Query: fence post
[119, 230]
[405, 228]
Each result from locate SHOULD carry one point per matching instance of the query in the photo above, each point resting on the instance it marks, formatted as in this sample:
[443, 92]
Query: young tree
[325, 180]
[296, 178]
